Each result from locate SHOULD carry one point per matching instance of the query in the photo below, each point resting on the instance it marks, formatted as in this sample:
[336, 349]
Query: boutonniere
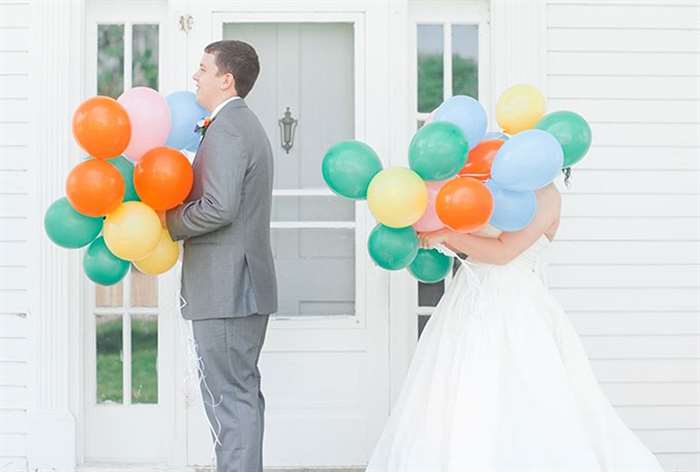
[202, 125]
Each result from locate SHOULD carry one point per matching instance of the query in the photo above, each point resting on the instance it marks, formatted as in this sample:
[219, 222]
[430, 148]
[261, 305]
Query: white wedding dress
[500, 382]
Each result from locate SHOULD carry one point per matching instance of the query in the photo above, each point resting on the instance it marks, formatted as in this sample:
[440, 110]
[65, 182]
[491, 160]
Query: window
[447, 64]
[126, 314]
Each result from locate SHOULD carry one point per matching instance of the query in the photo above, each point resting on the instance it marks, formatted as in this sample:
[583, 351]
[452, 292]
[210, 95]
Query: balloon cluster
[134, 169]
[460, 176]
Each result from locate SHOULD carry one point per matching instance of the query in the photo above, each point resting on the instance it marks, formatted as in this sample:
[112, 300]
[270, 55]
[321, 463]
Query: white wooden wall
[15, 207]
[626, 265]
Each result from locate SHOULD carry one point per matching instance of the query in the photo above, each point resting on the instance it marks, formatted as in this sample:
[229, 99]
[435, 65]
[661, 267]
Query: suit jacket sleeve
[222, 183]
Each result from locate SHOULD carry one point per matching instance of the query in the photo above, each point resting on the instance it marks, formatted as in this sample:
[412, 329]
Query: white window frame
[113, 12]
[425, 12]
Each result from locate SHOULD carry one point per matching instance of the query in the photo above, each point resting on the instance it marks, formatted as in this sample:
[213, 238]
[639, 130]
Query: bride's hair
[567, 175]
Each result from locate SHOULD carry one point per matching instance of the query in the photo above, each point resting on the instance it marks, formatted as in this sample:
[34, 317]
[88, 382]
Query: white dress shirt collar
[222, 105]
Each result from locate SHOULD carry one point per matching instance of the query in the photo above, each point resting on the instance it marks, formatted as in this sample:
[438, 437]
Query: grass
[144, 355]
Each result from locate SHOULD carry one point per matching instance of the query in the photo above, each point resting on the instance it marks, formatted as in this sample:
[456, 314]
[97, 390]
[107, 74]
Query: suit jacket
[228, 268]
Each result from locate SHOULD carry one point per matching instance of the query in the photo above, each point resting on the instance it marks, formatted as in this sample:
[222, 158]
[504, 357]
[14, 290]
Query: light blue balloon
[512, 211]
[496, 135]
[466, 113]
[185, 112]
[194, 146]
[529, 160]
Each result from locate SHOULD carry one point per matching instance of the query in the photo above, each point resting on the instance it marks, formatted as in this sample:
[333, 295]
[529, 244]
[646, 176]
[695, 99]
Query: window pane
[315, 271]
[430, 294]
[422, 321]
[108, 336]
[110, 60]
[330, 208]
[144, 289]
[144, 64]
[144, 356]
[430, 67]
[465, 58]
[109, 296]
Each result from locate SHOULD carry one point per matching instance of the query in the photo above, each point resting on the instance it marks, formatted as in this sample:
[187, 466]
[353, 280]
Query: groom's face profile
[212, 86]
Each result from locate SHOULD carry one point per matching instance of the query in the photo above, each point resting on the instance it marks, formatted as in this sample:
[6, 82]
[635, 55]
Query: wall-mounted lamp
[288, 126]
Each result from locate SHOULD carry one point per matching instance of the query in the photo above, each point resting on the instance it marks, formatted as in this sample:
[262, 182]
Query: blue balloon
[529, 160]
[496, 135]
[512, 211]
[194, 146]
[185, 112]
[466, 113]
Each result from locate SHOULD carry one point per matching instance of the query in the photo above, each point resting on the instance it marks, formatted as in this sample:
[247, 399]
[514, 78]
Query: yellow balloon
[397, 197]
[162, 258]
[132, 231]
[519, 108]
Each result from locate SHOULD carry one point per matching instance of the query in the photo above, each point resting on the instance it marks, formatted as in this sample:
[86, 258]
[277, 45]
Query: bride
[500, 381]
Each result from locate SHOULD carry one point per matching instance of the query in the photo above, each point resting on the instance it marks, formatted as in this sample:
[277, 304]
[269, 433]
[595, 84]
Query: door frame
[56, 361]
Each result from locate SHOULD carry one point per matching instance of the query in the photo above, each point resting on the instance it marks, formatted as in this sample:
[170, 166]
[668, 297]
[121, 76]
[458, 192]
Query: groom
[228, 274]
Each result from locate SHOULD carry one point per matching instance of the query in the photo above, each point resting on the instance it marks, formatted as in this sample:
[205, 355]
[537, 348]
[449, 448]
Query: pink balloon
[430, 117]
[430, 221]
[150, 120]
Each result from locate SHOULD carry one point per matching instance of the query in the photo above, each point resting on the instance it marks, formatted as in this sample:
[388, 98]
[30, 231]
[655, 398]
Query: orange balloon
[101, 127]
[95, 187]
[163, 178]
[464, 204]
[480, 159]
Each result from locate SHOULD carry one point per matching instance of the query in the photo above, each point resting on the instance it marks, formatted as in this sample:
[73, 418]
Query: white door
[325, 361]
[129, 387]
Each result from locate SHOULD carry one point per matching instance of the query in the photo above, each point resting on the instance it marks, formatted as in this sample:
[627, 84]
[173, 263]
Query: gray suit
[228, 268]
[228, 277]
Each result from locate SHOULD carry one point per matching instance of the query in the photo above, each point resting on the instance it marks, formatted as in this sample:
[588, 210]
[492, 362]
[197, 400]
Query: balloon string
[194, 374]
[475, 302]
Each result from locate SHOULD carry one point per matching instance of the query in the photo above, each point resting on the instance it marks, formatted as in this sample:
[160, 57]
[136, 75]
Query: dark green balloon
[68, 228]
[348, 167]
[393, 248]
[103, 267]
[572, 132]
[430, 266]
[438, 151]
[126, 169]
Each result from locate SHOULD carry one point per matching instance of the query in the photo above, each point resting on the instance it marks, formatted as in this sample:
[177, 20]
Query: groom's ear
[229, 82]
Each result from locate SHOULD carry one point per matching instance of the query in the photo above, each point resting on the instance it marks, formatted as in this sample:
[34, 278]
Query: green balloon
[68, 228]
[348, 167]
[393, 248]
[126, 169]
[103, 267]
[430, 266]
[438, 151]
[572, 132]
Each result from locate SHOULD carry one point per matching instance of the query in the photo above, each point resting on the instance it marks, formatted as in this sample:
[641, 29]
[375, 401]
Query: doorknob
[288, 126]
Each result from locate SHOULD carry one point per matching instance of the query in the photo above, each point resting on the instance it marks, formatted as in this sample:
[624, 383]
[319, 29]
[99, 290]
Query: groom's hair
[238, 59]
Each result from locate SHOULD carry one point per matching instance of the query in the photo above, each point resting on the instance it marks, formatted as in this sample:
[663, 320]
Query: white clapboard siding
[626, 262]
[15, 208]
[642, 111]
